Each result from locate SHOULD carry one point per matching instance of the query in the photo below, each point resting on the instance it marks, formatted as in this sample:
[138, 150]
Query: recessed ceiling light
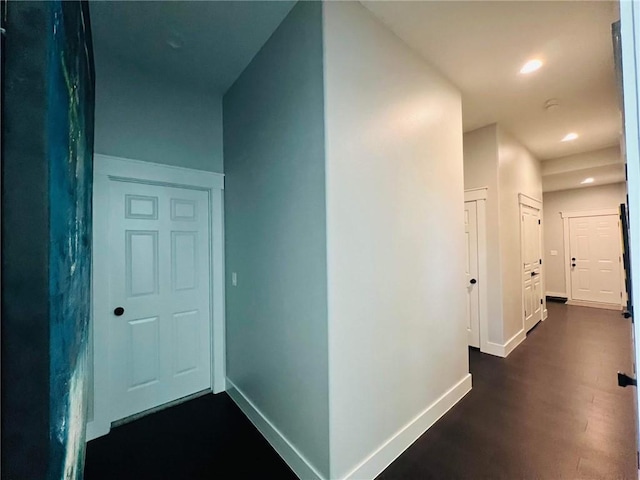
[531, 66]
[569, 136]
[587, 180]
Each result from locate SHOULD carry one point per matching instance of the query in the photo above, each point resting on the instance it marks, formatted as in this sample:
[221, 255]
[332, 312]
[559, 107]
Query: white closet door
[531, 266]
[471, 266]
[159, 295]
[595, 251]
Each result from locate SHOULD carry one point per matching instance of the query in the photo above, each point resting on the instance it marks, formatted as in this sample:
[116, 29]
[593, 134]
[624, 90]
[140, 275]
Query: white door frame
[479, 195]
[630, 39]
[566, 216]
[106, 169]
[527, 201]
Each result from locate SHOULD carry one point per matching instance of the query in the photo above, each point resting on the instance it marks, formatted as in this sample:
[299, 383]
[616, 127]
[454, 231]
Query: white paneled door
[471, 270]
[595, 253]
[531, 266]
[159, 295]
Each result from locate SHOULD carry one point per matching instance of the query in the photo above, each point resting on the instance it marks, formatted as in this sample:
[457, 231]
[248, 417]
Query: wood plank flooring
[205, 438]
[551, 410]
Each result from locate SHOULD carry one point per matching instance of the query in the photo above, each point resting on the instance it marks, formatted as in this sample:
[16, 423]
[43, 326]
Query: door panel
[141, 262]
[471, 273]
[159, 251]
[531, 249]
[143, 349]
[594, 243]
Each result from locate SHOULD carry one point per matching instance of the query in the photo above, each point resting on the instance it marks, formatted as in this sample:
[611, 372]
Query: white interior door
[595, 251]
[159, 276]
[531, 266]
[471, 265]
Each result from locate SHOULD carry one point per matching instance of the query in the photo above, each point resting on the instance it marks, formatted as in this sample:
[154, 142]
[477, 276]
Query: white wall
[149, 118]
[397, 337]
[518, 172]
[275, 229]
[581, 199]
[494, 159]
[481, 170]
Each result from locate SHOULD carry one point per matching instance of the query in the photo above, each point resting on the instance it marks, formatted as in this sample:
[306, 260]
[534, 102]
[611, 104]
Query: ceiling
[573, 179]
[480, 46]
[216, 40]
[602, 166]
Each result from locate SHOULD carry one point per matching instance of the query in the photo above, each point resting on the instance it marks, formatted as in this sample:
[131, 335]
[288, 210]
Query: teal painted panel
[70, 159]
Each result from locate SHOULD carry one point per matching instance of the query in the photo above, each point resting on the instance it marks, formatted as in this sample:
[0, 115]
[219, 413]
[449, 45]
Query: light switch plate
[554, 252]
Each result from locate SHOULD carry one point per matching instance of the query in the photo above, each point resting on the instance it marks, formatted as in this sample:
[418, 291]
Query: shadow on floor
[205, 438]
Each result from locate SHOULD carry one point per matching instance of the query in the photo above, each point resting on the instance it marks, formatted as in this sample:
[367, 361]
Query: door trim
[472, 194]
[480, 195]
[590, 213]
[530, 201]
[566, 242]
[630, 40]
[107, 168]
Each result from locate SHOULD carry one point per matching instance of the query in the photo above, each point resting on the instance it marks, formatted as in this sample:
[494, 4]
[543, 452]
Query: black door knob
[473, 281]
[118, 311]
[573, 259]
[573, 264]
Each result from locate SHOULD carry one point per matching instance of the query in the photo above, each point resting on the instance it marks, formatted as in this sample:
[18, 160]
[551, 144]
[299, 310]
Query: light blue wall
[277, 346]
[146, 117]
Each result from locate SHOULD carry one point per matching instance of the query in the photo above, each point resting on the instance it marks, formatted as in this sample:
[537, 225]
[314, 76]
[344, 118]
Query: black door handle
[573, 259]
[118, 311]
[573, 264]
[473, 281]
[533, 274]
[625, 380]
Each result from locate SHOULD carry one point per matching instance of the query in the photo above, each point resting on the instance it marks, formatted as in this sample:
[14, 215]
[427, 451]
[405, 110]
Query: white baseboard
[96, 429]
[380, 459]
[504, 350]
[289, 453]
[493, 349]
[556, 294]
[514, 341]
[605, 306]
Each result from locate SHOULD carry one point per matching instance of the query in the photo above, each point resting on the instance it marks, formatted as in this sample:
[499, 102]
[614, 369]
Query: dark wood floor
[205, 438]
[551, 410]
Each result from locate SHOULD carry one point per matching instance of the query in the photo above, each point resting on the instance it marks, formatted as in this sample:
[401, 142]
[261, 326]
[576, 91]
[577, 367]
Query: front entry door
[595, 252]
[471, 267]
[531, 266]
[159, 295]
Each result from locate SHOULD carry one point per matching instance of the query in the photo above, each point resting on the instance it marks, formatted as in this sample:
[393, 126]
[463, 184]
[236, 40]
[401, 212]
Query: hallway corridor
[551, 410]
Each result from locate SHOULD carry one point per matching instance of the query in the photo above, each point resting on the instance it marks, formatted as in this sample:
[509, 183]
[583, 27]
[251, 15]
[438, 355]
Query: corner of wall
[519, 172]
